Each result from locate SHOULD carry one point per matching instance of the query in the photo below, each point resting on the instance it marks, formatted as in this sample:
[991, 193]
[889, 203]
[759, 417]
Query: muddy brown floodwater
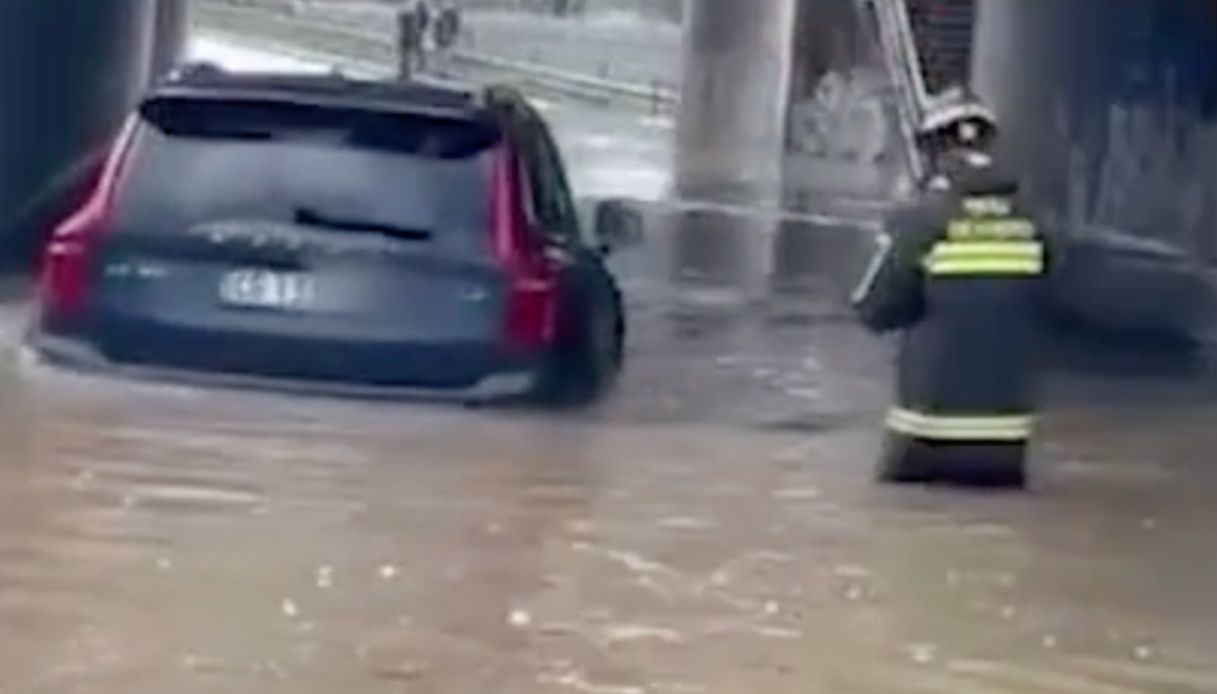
[711, 529]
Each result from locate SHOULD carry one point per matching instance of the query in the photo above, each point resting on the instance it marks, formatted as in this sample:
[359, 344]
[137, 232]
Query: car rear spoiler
[320, 100]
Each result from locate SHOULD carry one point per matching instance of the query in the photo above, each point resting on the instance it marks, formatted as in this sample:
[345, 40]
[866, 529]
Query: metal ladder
[942, 31]
[925, 48]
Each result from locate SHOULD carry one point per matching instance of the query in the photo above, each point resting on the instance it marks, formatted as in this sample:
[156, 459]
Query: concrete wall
[1111, 111]
[69, 71]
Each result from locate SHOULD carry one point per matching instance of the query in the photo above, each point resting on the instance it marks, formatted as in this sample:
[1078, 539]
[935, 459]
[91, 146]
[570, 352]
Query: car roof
[451, 100]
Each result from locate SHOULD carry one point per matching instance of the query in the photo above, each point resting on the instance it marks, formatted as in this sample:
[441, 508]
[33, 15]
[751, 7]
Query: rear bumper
[466, 372]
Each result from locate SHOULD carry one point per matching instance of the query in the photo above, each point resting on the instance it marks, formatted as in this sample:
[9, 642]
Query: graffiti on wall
[843, 138]
[844, 119]
[1154, 176]
[1158, 176]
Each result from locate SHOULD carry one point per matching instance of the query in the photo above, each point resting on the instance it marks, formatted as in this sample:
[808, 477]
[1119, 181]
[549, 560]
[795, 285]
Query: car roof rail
[331, 83]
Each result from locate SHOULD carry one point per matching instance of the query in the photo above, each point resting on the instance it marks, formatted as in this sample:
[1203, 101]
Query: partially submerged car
[337, 233]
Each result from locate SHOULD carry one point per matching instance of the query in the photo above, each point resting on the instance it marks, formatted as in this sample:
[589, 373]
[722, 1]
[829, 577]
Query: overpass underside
[1110, 112]
[1109, 109]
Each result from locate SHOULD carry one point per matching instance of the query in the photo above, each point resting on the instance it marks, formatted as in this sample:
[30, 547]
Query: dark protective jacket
[960, 276]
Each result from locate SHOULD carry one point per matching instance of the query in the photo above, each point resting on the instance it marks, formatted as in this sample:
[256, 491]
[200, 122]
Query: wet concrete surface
[616, 45]
[712, 527]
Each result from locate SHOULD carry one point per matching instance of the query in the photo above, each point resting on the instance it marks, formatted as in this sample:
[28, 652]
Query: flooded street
[712, 528]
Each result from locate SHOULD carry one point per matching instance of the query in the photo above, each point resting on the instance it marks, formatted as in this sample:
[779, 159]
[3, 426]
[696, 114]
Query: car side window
[552, 201]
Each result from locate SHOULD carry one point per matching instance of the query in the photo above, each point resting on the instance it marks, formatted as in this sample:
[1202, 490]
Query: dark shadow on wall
[69, 72]
[25, 235]
[1110, 110]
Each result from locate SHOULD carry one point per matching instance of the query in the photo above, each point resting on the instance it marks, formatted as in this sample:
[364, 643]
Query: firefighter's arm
[890, 295]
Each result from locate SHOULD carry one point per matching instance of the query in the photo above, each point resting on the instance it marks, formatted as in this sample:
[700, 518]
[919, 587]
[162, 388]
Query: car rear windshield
[422, 177]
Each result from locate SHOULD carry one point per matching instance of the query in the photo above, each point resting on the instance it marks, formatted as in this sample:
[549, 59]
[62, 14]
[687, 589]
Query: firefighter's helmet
[959, 119]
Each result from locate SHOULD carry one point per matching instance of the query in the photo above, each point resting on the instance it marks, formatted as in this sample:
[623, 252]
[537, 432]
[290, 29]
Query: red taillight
[532, 302]
[65, 261]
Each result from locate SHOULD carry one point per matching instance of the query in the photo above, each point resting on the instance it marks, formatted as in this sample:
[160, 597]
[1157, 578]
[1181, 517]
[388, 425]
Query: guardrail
[656, 96]
[379, 49]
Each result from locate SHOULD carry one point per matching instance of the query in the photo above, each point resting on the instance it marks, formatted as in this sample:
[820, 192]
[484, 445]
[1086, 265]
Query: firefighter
[960, 277]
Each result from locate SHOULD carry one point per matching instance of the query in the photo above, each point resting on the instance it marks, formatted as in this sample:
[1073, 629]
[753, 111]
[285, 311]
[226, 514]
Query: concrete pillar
[1110, 109]
[731, 133]
[69, 72]
[737, 63]
[169, 41]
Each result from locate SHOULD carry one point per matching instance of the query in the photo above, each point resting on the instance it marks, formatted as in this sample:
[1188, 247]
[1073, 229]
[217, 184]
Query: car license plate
[284, 291]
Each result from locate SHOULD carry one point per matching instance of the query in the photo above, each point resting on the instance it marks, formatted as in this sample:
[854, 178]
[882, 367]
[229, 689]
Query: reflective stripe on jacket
[970, 429]
[994, 258]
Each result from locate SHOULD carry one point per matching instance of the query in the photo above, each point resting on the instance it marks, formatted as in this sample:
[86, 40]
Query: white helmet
[959, 116]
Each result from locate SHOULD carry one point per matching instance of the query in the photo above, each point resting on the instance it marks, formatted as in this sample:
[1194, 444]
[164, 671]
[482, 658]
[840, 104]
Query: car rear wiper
[309, 217]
